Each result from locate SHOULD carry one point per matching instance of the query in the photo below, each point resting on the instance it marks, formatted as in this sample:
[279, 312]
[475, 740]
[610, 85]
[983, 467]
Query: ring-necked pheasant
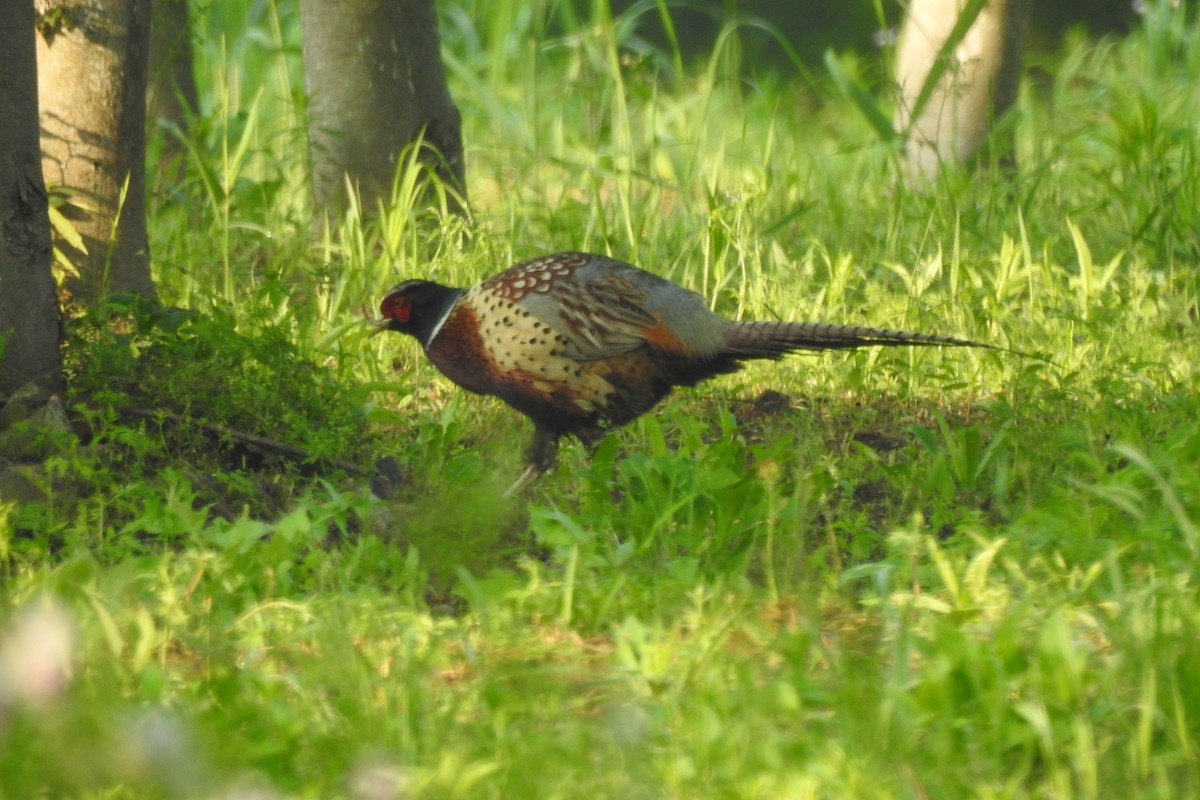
[579, 342]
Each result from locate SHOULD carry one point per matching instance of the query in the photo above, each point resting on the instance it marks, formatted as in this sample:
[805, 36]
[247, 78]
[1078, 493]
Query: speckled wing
[602, 308]
[599, 318]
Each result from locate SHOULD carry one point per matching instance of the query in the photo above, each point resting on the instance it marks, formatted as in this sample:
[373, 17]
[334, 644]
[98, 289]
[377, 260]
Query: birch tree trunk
[980, 81]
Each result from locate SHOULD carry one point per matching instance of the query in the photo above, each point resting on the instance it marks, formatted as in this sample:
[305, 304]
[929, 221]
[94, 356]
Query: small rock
[51, 417]
[29, 483]
[388, 478]
[41, 434]
[14, 411]
[23, 485]
[18, 407]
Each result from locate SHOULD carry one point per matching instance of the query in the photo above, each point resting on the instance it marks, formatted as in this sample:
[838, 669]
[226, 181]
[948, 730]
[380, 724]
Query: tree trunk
[376, 84]
[979, 83]
[29, 325]
[92, 57]
[171, 97]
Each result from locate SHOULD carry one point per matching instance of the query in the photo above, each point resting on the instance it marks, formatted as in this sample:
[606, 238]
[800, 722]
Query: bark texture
[376, 83]
[29, 323]
[979, 84]
[92, 57]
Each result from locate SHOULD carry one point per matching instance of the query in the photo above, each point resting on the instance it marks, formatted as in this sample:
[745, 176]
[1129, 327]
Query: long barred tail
[774, 339]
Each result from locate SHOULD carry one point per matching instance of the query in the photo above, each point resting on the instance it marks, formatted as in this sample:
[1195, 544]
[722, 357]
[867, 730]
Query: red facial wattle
[397, 308]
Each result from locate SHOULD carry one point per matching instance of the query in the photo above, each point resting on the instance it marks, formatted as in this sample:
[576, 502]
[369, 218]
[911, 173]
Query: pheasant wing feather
[597, 319]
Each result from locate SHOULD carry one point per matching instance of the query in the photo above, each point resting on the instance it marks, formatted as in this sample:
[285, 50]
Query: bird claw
[524, 480]
[543, 453]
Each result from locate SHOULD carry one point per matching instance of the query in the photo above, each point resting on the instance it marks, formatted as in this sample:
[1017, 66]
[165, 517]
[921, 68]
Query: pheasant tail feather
[774, 339]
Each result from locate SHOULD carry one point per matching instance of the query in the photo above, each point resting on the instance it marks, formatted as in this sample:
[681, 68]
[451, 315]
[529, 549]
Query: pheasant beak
[380, 325]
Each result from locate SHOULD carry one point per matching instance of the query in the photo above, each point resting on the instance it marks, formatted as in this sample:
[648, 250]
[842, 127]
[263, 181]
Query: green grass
[882, 574]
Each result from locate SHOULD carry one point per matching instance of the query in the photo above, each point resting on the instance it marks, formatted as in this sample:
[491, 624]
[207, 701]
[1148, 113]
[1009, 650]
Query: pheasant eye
[397, 308]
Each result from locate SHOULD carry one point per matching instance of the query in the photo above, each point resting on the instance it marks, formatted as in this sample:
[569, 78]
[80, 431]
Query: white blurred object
[37, 650]
[979, 83]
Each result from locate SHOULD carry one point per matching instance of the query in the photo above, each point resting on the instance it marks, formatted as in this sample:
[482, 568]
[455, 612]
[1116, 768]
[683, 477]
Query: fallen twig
[291, 451]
